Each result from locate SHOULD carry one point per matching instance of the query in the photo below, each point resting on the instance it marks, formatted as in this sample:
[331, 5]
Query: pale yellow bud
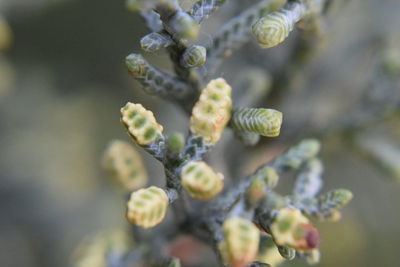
[124, 165]
[200, 180]
[213, 111]
[140, 123]
[147, 207]
[240, 244]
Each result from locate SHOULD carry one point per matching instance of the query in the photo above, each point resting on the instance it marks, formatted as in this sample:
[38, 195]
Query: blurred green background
[62, 82]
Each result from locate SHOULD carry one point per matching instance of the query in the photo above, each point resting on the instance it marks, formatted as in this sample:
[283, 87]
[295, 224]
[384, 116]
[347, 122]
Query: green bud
[194, 56]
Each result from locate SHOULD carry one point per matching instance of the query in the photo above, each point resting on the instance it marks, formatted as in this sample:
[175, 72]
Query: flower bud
[200, 180]
[266, 122]
[124, 165]
[147, 207]
[213, 110]
[273, 29]
[140, 123]
[194, 56]
[292, 229]
[240, 244]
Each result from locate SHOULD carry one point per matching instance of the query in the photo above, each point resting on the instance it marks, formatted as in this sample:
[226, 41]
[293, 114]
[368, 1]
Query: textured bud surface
[200, 180]
[124, 165]
[194, 56]
[240, 244]
[273, 29]
[147, 207]
[292, 229]
[213, 110]
[141, 124]
[266, 122]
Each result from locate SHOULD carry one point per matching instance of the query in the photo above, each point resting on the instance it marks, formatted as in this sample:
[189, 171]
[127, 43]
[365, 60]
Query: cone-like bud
[153, 42]
[273, 29]
[194, 56]
[200, 180]
[147, 206]
[266, 122]
[184, 25]
[213, 110]
[5, 34]
[240, 244]
[124, 165]
[292, 229]
[140, 123]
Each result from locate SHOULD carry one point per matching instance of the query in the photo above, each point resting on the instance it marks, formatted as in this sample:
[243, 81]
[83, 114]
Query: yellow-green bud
[266, 122]
[292, 229]
[273, 29]
[147, 207]
[213, 110]
[240, 244]
[200, 180]
[140, 123]
[124, 165]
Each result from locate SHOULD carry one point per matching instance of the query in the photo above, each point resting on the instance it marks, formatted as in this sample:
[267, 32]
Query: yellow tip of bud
[141, 124]
[147, 207]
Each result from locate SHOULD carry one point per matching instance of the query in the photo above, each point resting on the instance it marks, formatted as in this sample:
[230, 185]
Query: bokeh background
[62, 82]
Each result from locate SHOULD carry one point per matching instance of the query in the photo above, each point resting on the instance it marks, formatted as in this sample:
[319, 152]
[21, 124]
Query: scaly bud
[147, 206]
[240, 244]
[273, 29]
[266, 122]
[140, 123]
[194, 56]
[213, 110]
[200, 180]
[292, 229]
[124, 165]
[153, 42]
